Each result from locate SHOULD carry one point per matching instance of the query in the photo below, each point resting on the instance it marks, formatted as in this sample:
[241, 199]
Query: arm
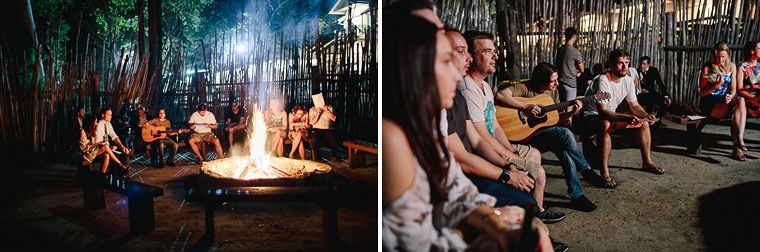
[570, 112]
[615, 117]
[473, 164]
[506, 151]
[639, 111]
[398, 163]
[731, 92]
[506, 98]
[579, 67]
[704, 90]
[744, 92]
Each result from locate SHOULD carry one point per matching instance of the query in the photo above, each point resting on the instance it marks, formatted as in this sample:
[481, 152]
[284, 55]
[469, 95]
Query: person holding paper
[322, 117]
[202, 122]
[299, 129]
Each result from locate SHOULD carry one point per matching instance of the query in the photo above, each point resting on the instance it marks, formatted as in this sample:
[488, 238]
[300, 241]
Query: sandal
[655, 170]
[609, 184]
[739, 156]
[740, 146]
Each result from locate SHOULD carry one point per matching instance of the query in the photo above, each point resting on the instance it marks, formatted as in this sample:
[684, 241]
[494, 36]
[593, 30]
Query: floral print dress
[752, 82]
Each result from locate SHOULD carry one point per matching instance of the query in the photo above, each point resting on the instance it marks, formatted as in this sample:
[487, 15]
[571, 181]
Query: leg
[315, 143]
[644, 139]
[159, 146]
[739, 119]
[230, 137]
[280, 139]
[168, 143]
[606, 146]
[538, 190]
[332, 139]
[218, 146]
[296, 144]
[561, 142]
[193, 145]
[505, 194]
[301, 149]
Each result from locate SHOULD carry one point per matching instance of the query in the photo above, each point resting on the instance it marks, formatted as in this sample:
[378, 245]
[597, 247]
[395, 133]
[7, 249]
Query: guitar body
[152, 134]
[519, 127]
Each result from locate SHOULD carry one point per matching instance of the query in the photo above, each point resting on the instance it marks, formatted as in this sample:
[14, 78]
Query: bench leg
[356, 158]
[693, 139]
[141, 215]
[330, 220]
[94, 198]
[210, 208]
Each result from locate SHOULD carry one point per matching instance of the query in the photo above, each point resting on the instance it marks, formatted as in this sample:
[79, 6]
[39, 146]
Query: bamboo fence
[676, 34]
[38, 95]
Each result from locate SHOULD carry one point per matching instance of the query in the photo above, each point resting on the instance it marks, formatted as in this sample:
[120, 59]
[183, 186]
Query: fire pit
[260, 178]
[237, 171]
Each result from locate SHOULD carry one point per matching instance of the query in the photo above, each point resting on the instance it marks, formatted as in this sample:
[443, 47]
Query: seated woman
[717, 89]
[89, 149]
[428, 203]
[276, 120]
[749, 77]
[299, 129]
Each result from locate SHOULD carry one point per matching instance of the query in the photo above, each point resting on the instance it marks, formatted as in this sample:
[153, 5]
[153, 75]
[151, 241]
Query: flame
[258, 164]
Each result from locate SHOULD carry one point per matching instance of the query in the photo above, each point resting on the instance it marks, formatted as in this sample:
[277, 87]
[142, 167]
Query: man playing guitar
[160, 130]
[559, 140]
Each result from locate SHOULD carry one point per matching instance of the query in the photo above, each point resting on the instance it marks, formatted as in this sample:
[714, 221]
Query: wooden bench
[356, 152]
[213, 198]
[693, 133]
[139, 197]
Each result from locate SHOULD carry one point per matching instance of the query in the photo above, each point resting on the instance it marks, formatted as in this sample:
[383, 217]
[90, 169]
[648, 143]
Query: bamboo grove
[676, 34]
[38, 94]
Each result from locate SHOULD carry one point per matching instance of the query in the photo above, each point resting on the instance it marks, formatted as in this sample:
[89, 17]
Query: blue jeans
[561, 142]
[505, 194]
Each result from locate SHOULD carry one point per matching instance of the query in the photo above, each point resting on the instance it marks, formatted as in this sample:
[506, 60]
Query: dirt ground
[704, 202]
[42, 210]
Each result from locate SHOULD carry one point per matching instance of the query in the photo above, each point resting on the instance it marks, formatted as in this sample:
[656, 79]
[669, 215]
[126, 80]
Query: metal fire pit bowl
[301, 173]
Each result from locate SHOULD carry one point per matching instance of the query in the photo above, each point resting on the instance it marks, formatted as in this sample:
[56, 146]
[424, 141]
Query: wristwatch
[504, 177]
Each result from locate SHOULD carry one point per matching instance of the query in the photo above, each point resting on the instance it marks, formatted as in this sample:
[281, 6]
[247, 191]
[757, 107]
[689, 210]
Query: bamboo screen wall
[676, 34]
[38, 94]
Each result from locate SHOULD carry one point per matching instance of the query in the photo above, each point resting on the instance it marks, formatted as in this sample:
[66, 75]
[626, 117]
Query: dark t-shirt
[457, 118]
[234, 118]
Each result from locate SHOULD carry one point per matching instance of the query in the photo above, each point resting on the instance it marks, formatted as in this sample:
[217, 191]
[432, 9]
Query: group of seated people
[300, 126]
[453, 178]
[94, 133]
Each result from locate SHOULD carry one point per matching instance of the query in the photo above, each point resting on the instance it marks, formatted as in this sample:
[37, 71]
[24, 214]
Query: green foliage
[52, 27]
[117, 20]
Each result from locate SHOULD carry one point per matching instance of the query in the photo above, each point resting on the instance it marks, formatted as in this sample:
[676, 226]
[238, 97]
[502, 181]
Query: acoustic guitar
[520, 128]
[151, 134]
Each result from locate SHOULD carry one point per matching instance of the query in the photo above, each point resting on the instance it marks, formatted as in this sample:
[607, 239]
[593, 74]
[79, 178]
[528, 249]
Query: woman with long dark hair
[717, 89]
[89, 149]
[426, 197]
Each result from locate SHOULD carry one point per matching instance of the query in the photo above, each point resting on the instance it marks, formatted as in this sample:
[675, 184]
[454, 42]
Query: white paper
[319, 101]
[695, 117]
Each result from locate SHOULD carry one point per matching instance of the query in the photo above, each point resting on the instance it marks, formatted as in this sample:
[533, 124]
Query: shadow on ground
[726, 220]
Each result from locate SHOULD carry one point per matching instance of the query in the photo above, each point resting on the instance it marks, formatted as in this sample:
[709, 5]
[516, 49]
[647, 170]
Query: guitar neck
[564, 105]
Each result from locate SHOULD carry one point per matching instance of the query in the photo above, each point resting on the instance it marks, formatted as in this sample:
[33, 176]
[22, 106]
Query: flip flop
[740, 146]
[608, 184]
[655, 170]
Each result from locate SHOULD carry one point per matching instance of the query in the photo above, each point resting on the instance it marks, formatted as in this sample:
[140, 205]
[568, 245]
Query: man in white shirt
[105, 132]
[202, 122]
[602, 117]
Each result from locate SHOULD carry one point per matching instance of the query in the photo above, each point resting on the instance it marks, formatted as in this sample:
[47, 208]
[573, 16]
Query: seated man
[479, 96]
[559, 140]
[601, 117]
[236, 122]
[652, 97]
[166, 141]
[137, 123]
[202, 122]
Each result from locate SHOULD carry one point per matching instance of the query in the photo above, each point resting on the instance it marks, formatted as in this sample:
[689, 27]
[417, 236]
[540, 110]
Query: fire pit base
[213, 198]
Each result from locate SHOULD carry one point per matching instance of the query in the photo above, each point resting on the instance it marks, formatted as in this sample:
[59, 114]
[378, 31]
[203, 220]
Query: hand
[532, 109]
[667, 101]
[520, 180]
[651, 119]
[727, 98]
[126, 151]
[577, 105]
[633, 121]
[192, 126]
[113, 148]
[644, 90]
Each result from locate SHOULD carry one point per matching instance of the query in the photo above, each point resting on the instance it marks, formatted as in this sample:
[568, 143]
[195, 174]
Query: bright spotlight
[241, 48]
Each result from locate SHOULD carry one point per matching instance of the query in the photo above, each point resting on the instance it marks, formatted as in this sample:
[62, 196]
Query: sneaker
[170, 163]
[583, 204]
[558, 246]
[548, 216]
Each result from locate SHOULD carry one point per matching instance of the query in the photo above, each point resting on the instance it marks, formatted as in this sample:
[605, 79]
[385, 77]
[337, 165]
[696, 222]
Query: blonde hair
[721, 47]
